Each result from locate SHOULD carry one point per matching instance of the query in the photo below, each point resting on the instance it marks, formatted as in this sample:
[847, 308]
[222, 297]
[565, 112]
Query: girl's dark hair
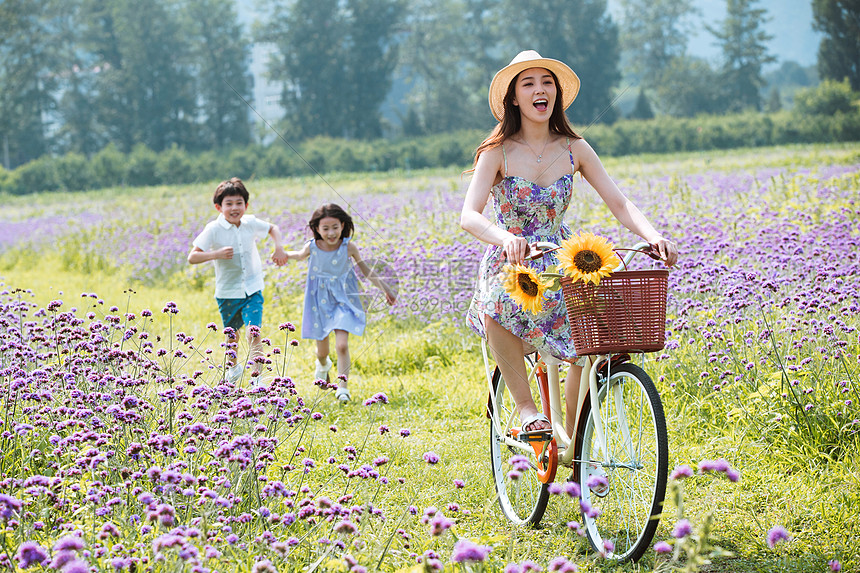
[331, 210]
[229, 188]
[511, 120]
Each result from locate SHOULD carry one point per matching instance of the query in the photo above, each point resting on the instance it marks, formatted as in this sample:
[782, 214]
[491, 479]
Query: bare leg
[341, 346]
[232, 349]
[322, 350]
[571, 398]
[507, 350]
[255, 345]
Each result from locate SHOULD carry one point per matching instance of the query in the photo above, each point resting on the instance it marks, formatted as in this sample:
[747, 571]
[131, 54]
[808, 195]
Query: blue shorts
[237, 312]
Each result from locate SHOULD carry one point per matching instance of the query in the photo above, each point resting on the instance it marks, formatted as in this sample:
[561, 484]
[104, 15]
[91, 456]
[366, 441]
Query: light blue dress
[331, 294]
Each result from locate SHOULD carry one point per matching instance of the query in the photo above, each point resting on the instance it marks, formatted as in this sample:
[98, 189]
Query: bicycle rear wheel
[521, 494]
[626, 514]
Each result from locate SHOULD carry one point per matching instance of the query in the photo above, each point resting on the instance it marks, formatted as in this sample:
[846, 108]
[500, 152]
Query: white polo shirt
[242, 275]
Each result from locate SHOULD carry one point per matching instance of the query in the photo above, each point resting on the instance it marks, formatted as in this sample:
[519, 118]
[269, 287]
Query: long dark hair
[512, 121]
[335, 211]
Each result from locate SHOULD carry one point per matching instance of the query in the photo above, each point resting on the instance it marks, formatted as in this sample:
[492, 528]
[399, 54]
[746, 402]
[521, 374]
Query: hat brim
[567, 80]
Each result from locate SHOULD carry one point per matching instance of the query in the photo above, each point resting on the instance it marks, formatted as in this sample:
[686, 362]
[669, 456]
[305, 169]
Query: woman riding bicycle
[527, 163]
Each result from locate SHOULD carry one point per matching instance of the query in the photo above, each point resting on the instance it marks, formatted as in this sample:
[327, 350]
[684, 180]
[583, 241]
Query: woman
[528, 163]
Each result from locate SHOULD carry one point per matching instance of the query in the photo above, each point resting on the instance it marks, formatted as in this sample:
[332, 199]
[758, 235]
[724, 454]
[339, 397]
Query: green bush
[827, 98]
[142, 166]
[37, 175]
[108, 167]
[8, 180]
[173, 166]
[241, 163]
[74, 172]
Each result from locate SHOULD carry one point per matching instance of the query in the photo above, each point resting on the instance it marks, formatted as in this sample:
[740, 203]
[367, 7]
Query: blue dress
[331, 294]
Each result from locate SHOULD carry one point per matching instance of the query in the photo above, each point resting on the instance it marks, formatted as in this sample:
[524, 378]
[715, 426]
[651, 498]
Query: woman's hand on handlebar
[516, 249]
[667, 251]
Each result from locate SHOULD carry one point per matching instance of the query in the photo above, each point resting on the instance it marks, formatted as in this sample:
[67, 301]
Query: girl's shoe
[322, 369]
[342, 394]
[234, 373]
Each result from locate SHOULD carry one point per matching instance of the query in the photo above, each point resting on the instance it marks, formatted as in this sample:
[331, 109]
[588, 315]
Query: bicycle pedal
[530, 437]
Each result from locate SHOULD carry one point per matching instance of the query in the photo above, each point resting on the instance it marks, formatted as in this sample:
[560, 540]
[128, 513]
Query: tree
[335, 60]
[839, 51]
[743, 44]
[827, 98]
[446, 60]
[653, 33]
[586, 39]
[370, 52]
[690, 87]
[79, 130]
[220, 52]
[642, 109]
[774, 101]
[145, 89]
[28, 77]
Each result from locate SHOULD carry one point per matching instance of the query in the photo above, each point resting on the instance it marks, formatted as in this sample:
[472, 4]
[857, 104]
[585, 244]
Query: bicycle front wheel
[620, 520]
[522, 497]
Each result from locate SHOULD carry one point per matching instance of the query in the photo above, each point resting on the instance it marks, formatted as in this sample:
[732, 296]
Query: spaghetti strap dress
[536, 213]
[331, 294]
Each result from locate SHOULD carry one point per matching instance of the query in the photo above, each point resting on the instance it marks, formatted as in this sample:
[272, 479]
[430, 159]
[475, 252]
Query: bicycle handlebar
[640, 247]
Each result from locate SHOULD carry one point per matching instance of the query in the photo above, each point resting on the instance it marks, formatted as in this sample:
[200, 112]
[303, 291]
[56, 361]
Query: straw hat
[568, 80]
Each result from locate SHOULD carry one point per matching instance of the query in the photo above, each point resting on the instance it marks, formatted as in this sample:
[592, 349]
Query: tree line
[79, 75]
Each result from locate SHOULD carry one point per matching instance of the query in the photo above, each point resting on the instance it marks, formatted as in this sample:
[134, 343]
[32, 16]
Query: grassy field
[761, 368]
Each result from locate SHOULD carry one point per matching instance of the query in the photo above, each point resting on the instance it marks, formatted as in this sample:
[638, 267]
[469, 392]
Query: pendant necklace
[538, 155]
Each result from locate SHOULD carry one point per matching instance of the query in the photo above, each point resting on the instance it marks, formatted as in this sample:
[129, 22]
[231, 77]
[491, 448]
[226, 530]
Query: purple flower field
[122, 448]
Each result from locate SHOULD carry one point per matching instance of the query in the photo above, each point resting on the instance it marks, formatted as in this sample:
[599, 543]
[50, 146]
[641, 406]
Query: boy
[231, 242]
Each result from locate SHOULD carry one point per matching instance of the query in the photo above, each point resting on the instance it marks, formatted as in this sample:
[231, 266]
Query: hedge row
[110, 167]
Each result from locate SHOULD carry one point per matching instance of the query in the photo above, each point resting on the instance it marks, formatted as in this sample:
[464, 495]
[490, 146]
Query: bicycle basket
[626, 312]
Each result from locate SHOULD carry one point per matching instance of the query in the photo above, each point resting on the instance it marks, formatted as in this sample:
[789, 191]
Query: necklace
[539, 156]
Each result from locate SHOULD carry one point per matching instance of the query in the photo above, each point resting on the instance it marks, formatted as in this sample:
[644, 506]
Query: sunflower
[525, 286]
[587, 257]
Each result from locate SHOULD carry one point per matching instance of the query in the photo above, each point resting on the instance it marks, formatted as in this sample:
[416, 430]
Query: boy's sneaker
[321, 372]
[234, 373]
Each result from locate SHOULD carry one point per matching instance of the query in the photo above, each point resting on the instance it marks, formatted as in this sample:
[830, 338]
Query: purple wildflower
[69, 543]
[561, 565]
[834, 565]
[466, 550]
[682, 529]
[439, 525]
[776, 535]
[662, 547]
[681, 472]
[431, 458]
[9, 506]
[30, 553]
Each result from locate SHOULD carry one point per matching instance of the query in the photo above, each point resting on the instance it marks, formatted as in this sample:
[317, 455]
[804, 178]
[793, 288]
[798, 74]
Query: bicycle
[625, 447]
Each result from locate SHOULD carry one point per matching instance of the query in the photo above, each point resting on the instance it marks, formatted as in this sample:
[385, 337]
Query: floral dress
[537, 214]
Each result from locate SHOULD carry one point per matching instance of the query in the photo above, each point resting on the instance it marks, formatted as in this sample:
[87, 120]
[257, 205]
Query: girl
[331, 290]
[527, 164]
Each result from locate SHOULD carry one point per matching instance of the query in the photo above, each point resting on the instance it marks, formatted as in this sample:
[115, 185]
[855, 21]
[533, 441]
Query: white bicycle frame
[588, 380]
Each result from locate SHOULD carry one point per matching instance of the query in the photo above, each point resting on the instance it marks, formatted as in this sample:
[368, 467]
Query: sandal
[539, 434]
[342, 394]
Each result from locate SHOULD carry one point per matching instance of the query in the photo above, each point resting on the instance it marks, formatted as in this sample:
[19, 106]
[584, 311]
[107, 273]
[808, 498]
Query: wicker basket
[626, 312]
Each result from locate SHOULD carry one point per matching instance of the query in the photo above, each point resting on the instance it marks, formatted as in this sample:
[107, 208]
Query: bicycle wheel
[625, 514]
[521, 494]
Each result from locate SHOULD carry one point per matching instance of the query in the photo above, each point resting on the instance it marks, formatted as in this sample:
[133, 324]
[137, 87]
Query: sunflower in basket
[525, 286]
[587, 257]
